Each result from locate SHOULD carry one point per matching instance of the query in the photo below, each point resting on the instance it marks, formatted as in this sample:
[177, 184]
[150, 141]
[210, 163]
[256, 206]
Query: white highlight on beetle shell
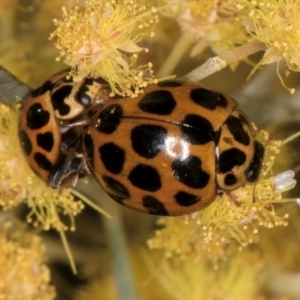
[177, 148]
[284, 181]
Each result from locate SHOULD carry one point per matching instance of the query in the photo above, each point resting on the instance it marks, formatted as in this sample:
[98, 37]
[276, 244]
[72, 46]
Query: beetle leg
[71, 163]
[81, 122]
[69, 180]
[233, 199]
[85, 170]
[68, 169]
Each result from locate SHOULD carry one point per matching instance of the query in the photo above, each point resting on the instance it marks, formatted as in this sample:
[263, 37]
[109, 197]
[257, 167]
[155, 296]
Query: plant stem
[219, 62]
[120, 257]
[176, 54]
[116, 240]
[11, 87]
[68, 251]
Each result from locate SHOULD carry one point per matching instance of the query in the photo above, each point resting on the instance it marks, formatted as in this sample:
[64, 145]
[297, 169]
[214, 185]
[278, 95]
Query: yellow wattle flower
[23, 274]
[232, 219]
[276, 24]
[18, 183]
[99, 39]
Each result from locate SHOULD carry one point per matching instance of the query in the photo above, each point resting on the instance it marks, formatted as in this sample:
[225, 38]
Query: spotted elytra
[52, 121]
[169, 151]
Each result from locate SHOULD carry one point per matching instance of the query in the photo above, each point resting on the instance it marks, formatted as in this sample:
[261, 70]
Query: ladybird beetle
[51, 125]
[171, 150]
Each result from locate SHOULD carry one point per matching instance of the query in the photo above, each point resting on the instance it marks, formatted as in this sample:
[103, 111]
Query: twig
[219, 62]
[11, 87]
[116, 240]
[178, 51]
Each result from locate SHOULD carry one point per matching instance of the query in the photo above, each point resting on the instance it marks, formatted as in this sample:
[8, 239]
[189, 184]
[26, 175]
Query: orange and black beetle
[168, 151]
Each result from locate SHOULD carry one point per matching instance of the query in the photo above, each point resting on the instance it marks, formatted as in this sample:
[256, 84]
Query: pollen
[232, 219]
[18, 184]
[275, 23]
[24, 274]
[99, 39]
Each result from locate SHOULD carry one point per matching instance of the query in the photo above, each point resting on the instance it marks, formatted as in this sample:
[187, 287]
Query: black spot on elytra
[109, 119]
[115, 189]
[59, 97]
[230, 179]
[159, 102]
[148, 140]
[208, 99]
[89, 147]
[88, 81]
[36, 117]
[113, 157]
[186, 199]
[45, 140]
[47, 86]
[189, 172]
[237, 130]
[169, 83]
[82, 97]
[230, 158]
[145, 177]
[25, 142]
[43, 161]
[154, 206]
[197, 130]
[253, 171]
[243, 119]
